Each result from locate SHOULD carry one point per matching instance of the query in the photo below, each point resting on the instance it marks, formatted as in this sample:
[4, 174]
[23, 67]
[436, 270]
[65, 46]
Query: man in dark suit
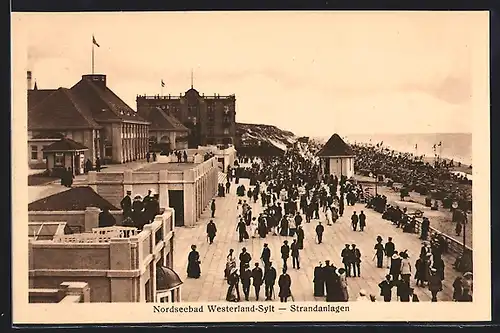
[269, 280]
[294, 248]
[386, 288]
[285, 253]
[245, 276]
[257, 279]
[346, 255]
[266, 255]
[319, 232]
[356, 261]
[126, 205]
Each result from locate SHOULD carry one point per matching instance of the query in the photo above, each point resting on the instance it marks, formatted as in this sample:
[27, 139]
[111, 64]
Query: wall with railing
[78, 221]
[68, 292]
[109, 259]
[453, 246]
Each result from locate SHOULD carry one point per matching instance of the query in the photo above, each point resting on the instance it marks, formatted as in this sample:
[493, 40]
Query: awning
[166, 279]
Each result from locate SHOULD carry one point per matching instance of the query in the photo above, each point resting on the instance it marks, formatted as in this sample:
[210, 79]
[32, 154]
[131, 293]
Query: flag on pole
[94, 41]
[162, 84]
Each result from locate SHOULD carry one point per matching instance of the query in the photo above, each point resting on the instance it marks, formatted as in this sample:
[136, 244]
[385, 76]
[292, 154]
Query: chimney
[29, 80]
[97, 79]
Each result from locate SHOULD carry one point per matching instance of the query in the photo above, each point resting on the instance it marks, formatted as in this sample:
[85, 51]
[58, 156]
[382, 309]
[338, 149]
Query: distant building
[337, 158]
[210, 119]
[89, 113]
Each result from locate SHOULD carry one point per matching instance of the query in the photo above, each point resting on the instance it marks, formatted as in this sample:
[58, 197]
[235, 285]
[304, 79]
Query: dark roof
[74, 199]
[35, 96]
[166, 278]
[65, 144]
[81, 107]
[50, 135]
[335, 146]
[61, 109]
[104, 103]
[162, 121]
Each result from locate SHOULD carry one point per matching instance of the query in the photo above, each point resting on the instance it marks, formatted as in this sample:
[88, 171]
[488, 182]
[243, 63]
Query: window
[59, 159]
[34, 152]
[226, 109]
[210, 130]
[226, 131]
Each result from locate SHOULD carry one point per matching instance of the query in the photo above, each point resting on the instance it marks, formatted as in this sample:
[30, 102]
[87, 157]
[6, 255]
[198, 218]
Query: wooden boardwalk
[211, 286]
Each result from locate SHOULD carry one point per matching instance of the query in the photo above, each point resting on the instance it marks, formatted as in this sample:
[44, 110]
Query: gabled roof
[74, 199]
[60, 110]
[50, 135]
[35, 96]
[335, 146]
[104, 103]
[162, 121]
[65, 144]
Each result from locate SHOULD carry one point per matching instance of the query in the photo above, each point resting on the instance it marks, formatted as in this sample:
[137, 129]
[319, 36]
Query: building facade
[89, 113]
[166, 133]
[188, 188]
[210, 119]
[119, 264]
[336, 158]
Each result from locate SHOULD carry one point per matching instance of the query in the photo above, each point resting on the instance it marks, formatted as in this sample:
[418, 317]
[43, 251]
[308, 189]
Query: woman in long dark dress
[319, 281]
[300, 238]
[193, 268]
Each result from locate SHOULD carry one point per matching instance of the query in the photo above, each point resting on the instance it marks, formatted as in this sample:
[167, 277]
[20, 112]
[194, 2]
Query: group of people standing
[140, 211]
[291, 194]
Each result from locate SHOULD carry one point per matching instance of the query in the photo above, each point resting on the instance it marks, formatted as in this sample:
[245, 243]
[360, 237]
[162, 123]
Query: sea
[456, 146]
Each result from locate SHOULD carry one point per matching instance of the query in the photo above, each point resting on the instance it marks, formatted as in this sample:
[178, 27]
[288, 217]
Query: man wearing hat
[245, 276]
[245, 258]
[257, 278]
[126, 205]
[285, 253]
[285, 283]
[211, 231]
[347, 255]
[269, 280]
[389, 250]
[386, 288]
[319, 232]
[265, 255]
[379, 252]
[137, 211]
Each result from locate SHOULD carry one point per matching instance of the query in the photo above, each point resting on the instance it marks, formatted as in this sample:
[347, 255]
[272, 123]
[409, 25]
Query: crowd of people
[425, 178]
[291, 193]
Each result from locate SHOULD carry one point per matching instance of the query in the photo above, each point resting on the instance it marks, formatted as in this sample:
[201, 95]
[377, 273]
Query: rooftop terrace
[168, 166]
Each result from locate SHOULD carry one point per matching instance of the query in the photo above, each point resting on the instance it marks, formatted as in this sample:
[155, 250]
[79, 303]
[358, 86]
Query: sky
[314, 73]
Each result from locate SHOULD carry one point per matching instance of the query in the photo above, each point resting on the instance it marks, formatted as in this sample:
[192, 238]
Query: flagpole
[92, 54]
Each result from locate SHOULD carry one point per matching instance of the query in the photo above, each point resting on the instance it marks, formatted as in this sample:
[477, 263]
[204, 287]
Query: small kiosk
[64, 154]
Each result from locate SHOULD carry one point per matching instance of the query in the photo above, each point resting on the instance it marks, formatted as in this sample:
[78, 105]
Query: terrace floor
[168, 166]
[211, 286]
